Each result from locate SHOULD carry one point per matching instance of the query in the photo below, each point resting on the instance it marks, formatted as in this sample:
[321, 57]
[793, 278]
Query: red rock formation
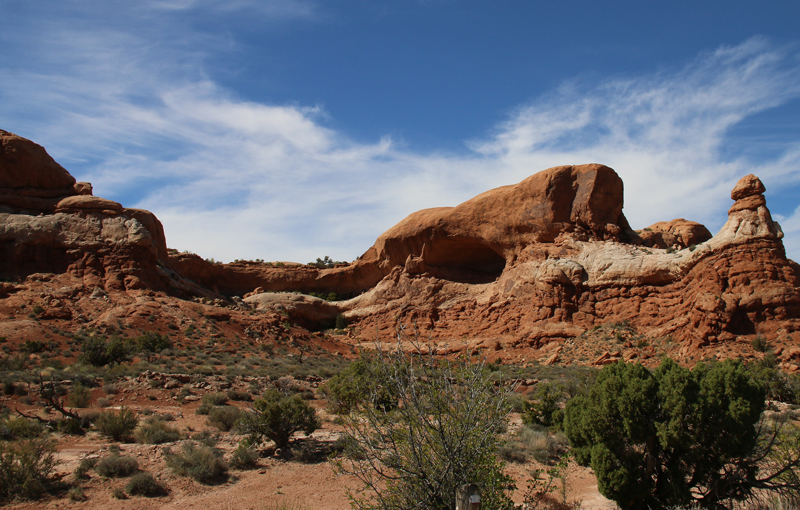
[49, 223]
[737, 283]
[677, 234]
[532, 268]
[470, 243]
[26, 166]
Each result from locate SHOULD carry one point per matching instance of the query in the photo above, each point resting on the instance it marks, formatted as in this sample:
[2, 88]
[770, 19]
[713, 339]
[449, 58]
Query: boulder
[748, 186]
[26, 166]
[84, 203]
[678, 233]
[474, 241]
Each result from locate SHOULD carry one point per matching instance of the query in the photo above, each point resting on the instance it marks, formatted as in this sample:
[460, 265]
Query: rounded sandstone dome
[25, 164]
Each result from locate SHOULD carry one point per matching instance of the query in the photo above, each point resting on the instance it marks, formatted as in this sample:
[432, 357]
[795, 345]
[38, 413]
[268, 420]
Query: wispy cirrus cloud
[232, 178]
[665, 133]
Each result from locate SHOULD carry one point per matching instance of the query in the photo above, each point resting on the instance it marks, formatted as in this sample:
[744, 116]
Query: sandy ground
[274, 483]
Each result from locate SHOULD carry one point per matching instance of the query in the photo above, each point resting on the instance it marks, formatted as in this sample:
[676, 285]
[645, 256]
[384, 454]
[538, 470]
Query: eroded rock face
[547, 259]
[474, 241]
[676, 234]
[522, 268]
[26, 166]
[471, 243]
[51, 224]
[701, 291]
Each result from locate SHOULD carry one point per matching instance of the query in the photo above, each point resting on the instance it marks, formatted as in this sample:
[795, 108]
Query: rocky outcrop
[737, 283]
[470, 243]
[676, 234]
[534, 267]
[51, 224]
[536, 263]
[474, 241]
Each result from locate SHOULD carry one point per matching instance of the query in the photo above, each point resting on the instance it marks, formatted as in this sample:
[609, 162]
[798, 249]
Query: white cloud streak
[231, 178]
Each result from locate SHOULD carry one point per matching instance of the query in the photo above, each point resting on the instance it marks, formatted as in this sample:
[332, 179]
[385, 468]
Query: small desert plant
[240, 396]
[197, 461]
[80, 396]
[118, 493]
[341, 322]
[82, 471]
[760, 344]
[529, 442]
[103, 402]
[277, 416]
[155, 431]
[99, 352]
[348, 390]
[117, 425]
[545, 409]
[153, 342]
[224, 418]
[215, 399]
[207, 438]
[117, 466]
[244, 457]
[75, 493]
[17, 427]
[145, 484]
[210, 400]
[26, 468]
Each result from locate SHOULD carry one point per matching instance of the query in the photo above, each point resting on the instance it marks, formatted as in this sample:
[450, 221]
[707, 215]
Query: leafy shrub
[99, 352]
[446, 433]
[678, 436]
[777, 384]
[152, 342]
[145, 484]
[197, 461]
[351, 388]
[277, 416]
[81, 472]
[760, 344]
[545, 409]
[80, 396]
[155, 431]
[224, 418]
[244, 457]
[240, 396]
[33, 346]
[26, 468]
[117, 466]
[210, 400]
[117, 425]
[17, 427]
[72, 426]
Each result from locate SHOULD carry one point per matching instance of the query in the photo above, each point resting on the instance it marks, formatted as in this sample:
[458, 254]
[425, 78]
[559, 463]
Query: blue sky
[293, 129]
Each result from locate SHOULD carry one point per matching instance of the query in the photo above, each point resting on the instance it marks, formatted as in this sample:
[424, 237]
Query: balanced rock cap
[748, 186]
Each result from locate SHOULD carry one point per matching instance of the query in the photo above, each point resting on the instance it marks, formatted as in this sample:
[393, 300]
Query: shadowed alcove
[464, 261]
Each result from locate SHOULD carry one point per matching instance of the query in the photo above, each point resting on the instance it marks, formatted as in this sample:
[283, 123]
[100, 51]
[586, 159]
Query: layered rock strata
[525, 267]
[557, 283]
[49, 223]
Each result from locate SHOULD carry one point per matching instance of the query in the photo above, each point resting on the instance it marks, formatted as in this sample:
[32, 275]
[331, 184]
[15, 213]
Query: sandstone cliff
[527, 271]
